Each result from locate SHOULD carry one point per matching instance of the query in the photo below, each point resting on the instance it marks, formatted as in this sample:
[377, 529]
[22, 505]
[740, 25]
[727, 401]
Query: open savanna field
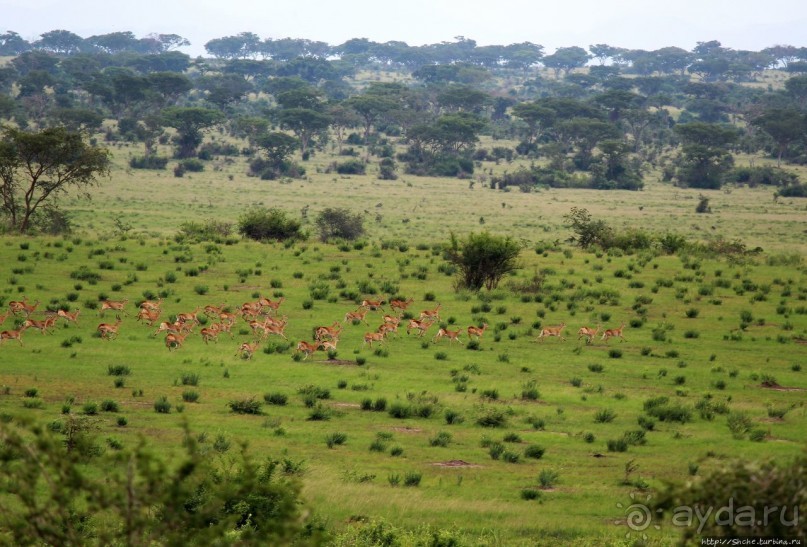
[510, 440]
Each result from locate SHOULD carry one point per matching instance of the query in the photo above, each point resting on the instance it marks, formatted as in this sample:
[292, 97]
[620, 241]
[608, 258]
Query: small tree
[36, 167]
[261, 223]
[483, 259]
[587, 232]
[339, 223]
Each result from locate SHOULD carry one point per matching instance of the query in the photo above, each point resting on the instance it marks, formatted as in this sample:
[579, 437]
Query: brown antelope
[151, 305]
[210, 333]
[387, 328]
[392, 320]
[588, 333]
[250, 309]
[247, 349]
[67, 316]
[273, 329]
[328, 345]
[306, 348]
[174, 340]
[109, 331]
[12, 335]
[421, 326]
[4, 316]
[23, 306]
[357, 315]
[43, 326]
[229, 318]
[400, 305]
[328, 332]
[452, 335]
[115, 305]
[478, 332]
[149, 316]
[273, 306]
[613, 333]
[165, 326]
[191, 317]
[432, 315]
[546, 332]
[371, 337]
[224, 327]
[214, 311]
[372, 305]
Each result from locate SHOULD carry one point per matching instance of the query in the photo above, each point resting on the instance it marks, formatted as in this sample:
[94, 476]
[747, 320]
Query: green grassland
[747, 331]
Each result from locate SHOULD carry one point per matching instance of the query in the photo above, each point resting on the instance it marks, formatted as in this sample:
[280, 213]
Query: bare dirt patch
[777, 387]
[339, 362]
[406, 429]
[455, 463]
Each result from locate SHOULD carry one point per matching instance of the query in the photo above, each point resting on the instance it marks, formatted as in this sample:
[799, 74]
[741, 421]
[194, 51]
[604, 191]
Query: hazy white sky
[635, 24]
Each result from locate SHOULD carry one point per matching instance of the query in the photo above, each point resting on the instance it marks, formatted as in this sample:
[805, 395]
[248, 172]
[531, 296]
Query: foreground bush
[261, 223]
[143, 500]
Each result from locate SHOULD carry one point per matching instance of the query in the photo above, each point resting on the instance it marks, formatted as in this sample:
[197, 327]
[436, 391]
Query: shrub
[412, 478]
[534, 451]
[245, 406]
[162, 405]
[190, 396]
[261, 223]
[335, 439]
[604, 415]
[109, 406]
[340, 224]
[319, 413]
[118, 370]
[190, 379]
[441, 439]
[547, 478]
[492, 417]
[278, 399]
[483, 259]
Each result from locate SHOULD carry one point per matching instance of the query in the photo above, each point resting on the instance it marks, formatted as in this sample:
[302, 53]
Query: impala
[149, 316]
[12, 335]
[23, 306]
[357, 315]
[272, 329]
[613, 333]
[273, 306]
[392, 320]
[478, 332]
[588, 333]
[452, 335]
[165, 326]
[372, 305]
[433, 315]
[151, 305]
[277, 322]
[250, 309]
[420, 326]
[174, 340]
[73, 317]
[43, 326]
[247, 349]
[328, 332]
[546, 332]
[400, 305]
[109, 331]
[4, 316]
[371, 337]
[328, 345]
[191, 317]
[115, 305]
[229, 318]
[210, 333]
[387, 328]
[306, 348]
[214, 311]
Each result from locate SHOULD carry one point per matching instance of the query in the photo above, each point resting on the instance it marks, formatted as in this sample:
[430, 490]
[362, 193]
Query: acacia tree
[483, 259]
[36, 167]
[189, 123]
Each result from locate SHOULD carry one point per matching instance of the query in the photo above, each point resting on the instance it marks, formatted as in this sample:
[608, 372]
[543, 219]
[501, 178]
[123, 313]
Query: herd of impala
[262, 318]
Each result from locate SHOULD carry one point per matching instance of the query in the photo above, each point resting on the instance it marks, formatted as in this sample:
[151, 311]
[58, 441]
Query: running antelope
[432, 315]
[400, 305]
[613, 333]
[43, 326]
[371, 337]
[420, 326]
[546, 332]
[174, 340]
[109, 331]
[307, 349]
[328, 332]
[23, 306]
[12, 335]
[67, 316]
[115, 305]
[247, 349]
[588, 333]
[452, 335]
[474, 331]
[372, 305]
[353, 316]
[149, 316]
[273, 306]
[151, 305]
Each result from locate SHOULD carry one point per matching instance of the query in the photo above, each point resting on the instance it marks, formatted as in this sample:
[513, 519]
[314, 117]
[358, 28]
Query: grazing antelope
[174, 340]
[357, 315]
[247, 349]
[372, 305]
[67, 316]
[546, 332]
[452, 335]
[328, 332]
[433, 315]
[306, 348]
[109, 331]
[23, 306]
[420, 326]
[478, 332]
[371, 337]
[115, 305]
[588, 333]
[43, 326]
[400, 305]
[273, 306]
[12, 335]
[149, 316]
[613, 333]
[151, 305]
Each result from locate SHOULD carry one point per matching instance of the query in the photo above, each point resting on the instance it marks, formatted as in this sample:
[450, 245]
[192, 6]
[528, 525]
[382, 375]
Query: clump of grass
[441, 439]
[109, 406]
[162, 405]
[453, 417]
[190, 379]
[492, 417]
[412, 478]
[548, 478]
[319, 413]
[118, 370]
[596, 367]
[529, 494]
[245, 406]
[334, 439]
[277, 399]
[534, 451]
[605, 415]
[190, 396]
